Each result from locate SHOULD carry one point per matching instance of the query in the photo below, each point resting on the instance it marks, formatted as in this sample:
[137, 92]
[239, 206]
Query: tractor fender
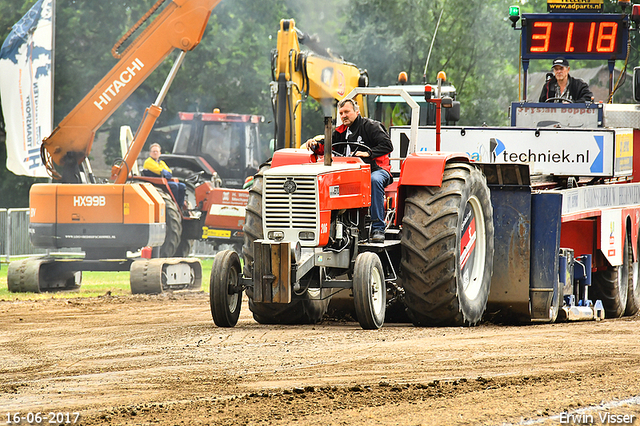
[426, 168]
[423, 169]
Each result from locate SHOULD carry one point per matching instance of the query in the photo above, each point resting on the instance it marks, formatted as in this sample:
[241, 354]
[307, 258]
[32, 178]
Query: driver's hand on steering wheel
[312, 144]
[361, 154]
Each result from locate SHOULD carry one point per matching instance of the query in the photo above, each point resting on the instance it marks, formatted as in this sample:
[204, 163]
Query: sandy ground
[147, 360]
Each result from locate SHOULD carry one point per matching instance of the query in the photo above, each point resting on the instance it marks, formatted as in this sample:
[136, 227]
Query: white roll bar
[415, 108]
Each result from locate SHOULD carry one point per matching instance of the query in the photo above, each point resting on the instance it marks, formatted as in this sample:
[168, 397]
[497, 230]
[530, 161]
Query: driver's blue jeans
[379, 180]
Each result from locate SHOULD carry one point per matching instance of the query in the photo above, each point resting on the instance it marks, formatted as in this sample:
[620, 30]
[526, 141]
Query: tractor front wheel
[369, 291]
[633, 296]
[173, 229]
[224, 298]
[611, 286]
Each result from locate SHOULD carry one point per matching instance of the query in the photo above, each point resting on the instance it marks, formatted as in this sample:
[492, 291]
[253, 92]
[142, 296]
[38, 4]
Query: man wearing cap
[565, 87]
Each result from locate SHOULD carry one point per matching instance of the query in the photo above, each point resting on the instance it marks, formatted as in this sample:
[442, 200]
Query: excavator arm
[180, 25]
[298, 74]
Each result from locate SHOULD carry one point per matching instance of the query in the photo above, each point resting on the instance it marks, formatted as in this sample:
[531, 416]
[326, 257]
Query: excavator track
[40, 274]
[153, 276]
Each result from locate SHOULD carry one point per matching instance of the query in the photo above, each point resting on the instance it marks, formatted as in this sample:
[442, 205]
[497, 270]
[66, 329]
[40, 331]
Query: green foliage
[14, 189]
[231, 70]
[474, 45]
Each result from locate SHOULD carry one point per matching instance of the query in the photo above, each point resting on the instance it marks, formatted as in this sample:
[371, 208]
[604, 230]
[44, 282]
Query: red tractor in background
[213, 154]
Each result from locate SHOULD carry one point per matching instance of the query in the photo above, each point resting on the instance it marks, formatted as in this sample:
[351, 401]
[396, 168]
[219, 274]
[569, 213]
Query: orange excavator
[108, 220]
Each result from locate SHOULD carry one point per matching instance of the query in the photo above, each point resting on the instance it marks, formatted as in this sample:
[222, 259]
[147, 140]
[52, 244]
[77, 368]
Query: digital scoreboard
[574, 36]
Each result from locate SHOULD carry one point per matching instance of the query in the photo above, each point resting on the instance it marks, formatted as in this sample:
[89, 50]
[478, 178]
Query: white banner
[26, 86]
[563, 152]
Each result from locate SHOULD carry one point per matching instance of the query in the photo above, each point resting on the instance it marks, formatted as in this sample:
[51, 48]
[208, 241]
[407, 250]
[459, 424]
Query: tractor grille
[297, 210]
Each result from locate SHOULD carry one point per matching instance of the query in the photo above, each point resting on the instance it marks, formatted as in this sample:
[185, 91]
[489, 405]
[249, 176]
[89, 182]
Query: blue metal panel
[509, 295]
[546, 211]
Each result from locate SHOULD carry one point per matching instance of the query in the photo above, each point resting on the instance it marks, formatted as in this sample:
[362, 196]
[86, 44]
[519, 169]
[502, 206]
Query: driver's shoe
[377, 236]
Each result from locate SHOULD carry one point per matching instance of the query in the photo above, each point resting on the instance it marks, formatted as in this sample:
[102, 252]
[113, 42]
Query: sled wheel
[369, 291]
[633, 295]
[447, 248]
[612, 286]
[224, 299]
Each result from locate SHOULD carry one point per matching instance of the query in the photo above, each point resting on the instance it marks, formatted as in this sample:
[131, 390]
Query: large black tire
[184, 248]
[252, 227]
[446, 281]
[308, 310]
[611, 287]
[369, 291]
[225, 303]
[173, 228]
[633, 296]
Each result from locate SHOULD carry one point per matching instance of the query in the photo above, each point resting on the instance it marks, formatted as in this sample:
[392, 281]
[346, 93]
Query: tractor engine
[316, 205]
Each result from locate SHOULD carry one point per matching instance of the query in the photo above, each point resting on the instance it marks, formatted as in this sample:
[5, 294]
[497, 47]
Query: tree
[474, 46]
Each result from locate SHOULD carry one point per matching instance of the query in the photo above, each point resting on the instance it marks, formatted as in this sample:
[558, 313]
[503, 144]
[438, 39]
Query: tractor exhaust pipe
[328, 130]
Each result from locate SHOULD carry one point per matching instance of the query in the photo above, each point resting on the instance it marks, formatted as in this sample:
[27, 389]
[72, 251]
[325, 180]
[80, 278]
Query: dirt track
[160, 360]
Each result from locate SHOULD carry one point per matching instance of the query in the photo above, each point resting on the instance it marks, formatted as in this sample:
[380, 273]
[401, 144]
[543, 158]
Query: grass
[94, 284]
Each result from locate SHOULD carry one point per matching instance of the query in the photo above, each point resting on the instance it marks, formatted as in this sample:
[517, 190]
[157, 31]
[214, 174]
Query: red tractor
[213, 154]
[306, 238]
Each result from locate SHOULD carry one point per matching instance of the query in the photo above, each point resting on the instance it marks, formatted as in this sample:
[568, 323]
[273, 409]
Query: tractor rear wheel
[447, 248]
[308, 310]
[184, 248]
[173, 228]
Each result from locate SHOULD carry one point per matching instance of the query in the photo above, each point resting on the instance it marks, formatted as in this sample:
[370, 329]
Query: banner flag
[26, 88]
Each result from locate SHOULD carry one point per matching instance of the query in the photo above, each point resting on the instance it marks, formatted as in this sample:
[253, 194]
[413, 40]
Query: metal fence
[3, 230]
[14, 238]
[14, 229]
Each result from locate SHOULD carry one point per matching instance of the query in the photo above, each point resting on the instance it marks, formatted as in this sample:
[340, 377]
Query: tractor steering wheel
[556, 98]
[357, 146]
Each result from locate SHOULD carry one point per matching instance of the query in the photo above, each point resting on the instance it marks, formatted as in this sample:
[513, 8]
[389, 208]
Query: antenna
[424, 74]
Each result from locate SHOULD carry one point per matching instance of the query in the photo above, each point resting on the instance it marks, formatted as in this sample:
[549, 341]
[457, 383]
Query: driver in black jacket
[362, 130]
[565, 87]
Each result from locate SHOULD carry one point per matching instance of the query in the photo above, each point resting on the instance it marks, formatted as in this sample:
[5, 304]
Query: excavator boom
[298, 74]
[180, 25]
